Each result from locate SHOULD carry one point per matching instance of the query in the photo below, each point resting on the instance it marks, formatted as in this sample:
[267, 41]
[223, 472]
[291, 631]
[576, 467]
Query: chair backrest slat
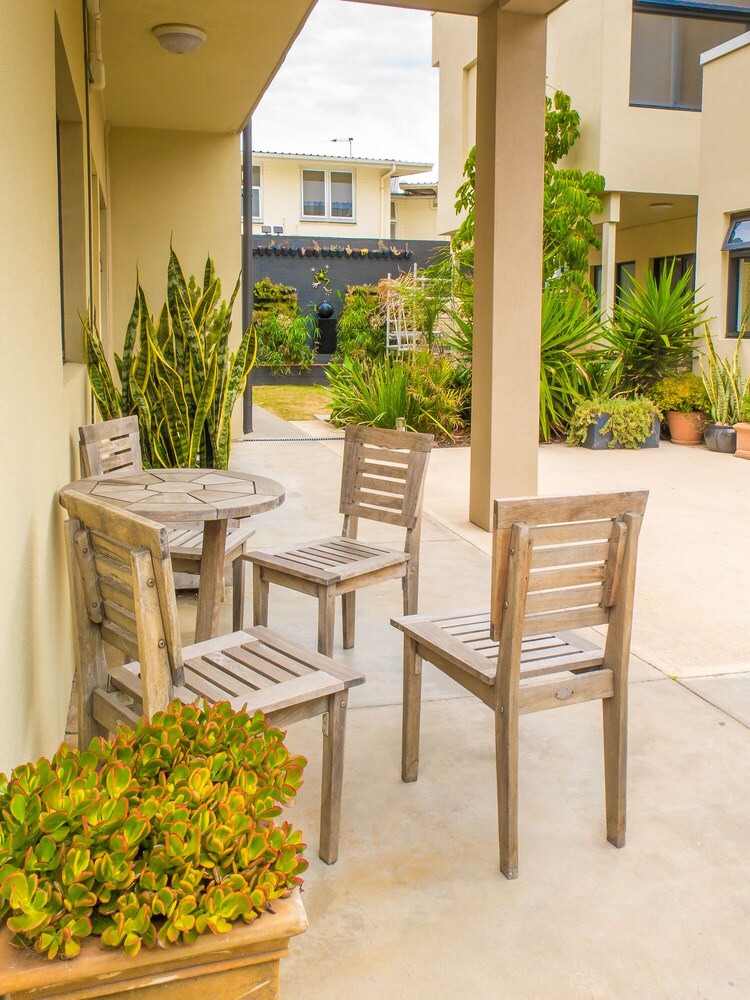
[575, 565]
[126, 576]
[383, 475]
[110, 446]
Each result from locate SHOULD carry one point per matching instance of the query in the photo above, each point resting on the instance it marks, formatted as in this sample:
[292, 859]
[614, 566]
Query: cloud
[355, 70]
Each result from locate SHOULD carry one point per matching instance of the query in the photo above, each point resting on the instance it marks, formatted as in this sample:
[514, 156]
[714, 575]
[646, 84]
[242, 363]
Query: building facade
[344, 197]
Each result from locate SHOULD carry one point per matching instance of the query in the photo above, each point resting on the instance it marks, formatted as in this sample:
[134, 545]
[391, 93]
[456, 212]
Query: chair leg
[260, 597]
[348, 602]
[615, 721]
[326, 620]
[506, 751]
[334, 730]
[411, 592]
[238, 594]
[411, 711]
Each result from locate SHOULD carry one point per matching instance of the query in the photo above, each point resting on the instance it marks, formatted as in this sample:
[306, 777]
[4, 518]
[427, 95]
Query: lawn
[293, 402]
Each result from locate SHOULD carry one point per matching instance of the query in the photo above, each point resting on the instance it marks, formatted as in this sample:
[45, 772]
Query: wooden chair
[114, 446]
[559, 563]
[382, 480]
[122, 588]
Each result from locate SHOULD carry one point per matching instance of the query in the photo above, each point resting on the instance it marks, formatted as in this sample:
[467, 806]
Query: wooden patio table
[212, 496]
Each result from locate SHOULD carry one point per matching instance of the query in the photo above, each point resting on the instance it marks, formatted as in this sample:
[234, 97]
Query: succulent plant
[163, 833]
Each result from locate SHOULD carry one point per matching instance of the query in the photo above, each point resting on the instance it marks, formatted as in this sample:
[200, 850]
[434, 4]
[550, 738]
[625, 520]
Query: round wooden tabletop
[183, 494]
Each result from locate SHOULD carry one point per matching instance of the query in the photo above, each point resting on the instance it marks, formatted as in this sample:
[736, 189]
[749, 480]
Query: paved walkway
[415, 907]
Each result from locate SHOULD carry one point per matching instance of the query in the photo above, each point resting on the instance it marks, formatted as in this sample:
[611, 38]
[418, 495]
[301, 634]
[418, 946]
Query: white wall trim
[725, 48]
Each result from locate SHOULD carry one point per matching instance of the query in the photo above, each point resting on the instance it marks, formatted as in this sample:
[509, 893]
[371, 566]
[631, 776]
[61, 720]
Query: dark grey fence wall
[342, 271]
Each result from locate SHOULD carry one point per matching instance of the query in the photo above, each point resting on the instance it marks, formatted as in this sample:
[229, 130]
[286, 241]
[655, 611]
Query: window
[682, 264]
[257, 210]
[328, 195]
[625, 278]
[737, 242]
[394, 219]
[596, 281]
[668, 38]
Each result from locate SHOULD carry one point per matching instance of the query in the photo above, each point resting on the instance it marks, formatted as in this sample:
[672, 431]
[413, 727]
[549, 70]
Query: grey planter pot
[720, 437]
[599, 442]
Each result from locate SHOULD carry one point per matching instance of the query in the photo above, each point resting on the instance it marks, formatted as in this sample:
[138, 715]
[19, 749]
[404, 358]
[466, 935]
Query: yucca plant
[165, 832]
[570, 334]
[178, 375]
[725, 383]
[652, 333]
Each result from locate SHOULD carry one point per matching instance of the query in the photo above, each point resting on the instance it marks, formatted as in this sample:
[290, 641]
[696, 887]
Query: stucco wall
[643, 243]
[281, 204]
[724, 180]
[42, 400]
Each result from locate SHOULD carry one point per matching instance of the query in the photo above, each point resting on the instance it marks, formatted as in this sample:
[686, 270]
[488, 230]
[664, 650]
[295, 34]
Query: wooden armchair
[559, 563]
[122, 589]
[382, 480]
[114, 446]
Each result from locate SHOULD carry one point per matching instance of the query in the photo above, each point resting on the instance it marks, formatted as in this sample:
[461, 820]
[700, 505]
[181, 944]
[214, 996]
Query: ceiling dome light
[661, 206]
[181, 39]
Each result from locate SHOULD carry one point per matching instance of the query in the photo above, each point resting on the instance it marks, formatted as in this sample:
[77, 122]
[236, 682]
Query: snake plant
[178, 375]
[725, 384]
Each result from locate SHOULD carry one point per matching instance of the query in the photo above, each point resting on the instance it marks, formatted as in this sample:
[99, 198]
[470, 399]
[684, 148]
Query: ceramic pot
[597, 440]
[720, 437]
[743, 440]
[686, 428]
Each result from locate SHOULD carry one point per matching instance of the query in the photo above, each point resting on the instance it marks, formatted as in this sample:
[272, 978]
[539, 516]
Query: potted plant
[683, 400]
[743, 428]
[726, 387]
[606, 422]
[161, 843]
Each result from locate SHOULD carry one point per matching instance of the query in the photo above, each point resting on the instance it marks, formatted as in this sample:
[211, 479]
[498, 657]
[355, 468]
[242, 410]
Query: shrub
[361, 324]
[419, 388]
[160, 835]
[285, 342]
[272, 299]
[652, 334]
[179, 377]
[680, 394]
[630, 421]
[570, 329]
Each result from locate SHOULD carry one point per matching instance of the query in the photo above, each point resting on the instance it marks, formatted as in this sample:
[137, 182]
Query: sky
[355, 70]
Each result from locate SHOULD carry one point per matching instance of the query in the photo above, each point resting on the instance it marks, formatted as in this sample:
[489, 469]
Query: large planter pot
[743, 440]
[242, 963]
[720, 437]
[686, 428]
[597, 441]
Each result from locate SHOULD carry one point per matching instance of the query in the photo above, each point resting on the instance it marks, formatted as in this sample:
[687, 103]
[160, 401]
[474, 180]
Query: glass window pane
[314, 192]
[256, 203]
[342, 201]
[743, 295]
[739, 235]
[256, 176]
[625, 277]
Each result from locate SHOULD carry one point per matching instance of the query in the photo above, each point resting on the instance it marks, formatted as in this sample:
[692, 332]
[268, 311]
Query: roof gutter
[385, 202]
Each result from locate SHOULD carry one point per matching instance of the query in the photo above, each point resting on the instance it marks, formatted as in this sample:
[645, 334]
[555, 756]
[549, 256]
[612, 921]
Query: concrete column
[511, 66]
[610, 218]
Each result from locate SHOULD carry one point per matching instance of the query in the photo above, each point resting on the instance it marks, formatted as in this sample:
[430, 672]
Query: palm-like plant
[178, 376]
[569, 358]
[652, 333]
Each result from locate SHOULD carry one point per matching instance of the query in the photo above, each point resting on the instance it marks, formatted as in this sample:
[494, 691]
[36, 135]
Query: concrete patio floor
[416, 906]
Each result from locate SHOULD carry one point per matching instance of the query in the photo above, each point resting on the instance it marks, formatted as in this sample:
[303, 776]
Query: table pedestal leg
[212, 578]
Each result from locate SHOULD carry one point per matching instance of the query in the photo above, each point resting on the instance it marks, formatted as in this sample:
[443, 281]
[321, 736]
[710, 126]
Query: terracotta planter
[243, 963]
[686, 428]
[720, 437]
[743, 440]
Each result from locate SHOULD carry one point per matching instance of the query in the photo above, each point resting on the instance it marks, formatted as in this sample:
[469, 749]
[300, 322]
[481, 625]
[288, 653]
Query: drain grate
[325, 437]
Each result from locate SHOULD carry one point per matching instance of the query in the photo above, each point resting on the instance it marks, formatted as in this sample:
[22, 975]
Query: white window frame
[259, 216]
[327, 217]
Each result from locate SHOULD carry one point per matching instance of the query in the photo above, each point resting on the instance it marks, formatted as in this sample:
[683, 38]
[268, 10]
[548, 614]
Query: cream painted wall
[281, 194]
[416, 218]
[42, 400]
[454, 51]
[643, 243]
[724, 180]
